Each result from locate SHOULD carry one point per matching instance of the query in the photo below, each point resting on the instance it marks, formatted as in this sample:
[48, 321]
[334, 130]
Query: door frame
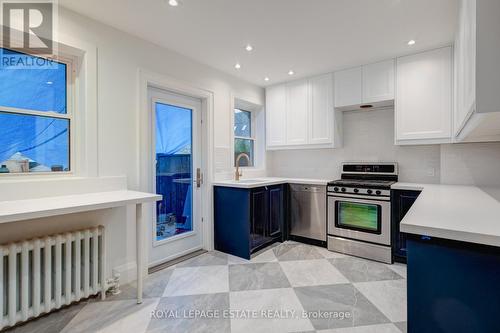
[144, 175]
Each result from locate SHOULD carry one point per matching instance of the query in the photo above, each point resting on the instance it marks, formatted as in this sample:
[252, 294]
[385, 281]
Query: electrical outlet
[431, 172]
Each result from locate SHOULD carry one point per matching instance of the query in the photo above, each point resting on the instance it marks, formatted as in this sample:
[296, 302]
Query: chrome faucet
[238, 173]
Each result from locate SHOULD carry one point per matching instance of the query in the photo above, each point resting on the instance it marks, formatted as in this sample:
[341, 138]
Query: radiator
[43, 274]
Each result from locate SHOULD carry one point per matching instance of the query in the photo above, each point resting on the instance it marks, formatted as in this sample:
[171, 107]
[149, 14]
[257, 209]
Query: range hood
[368, 106]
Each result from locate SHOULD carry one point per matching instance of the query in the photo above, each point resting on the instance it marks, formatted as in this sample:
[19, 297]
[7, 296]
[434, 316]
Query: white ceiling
[308, 36]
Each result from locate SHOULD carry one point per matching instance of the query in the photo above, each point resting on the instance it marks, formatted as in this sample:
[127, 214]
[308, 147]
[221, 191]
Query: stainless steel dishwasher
[308, 211]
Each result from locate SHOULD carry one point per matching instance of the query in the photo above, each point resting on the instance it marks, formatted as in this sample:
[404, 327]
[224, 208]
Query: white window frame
[71, 71]
[252, 137]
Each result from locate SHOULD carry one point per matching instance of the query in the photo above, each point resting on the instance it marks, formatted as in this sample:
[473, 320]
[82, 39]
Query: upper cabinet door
[424, 97]
[321, 110]
[348, 87]
[276, 116]
[469, 57]
[378, 82]
[297, 106]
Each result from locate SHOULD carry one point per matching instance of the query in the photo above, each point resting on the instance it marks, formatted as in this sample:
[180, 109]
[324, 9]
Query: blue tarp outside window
[32, 143]
[31, 87]
[173, 129]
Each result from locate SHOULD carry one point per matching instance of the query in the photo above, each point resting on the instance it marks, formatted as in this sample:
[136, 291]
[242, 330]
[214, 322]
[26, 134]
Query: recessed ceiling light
[266, 79]
[237, 66]
[411, 42]
[173, 3]
[249, 47]
[291, 72]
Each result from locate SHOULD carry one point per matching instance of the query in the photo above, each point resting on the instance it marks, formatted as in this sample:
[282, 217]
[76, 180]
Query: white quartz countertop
[455, 212]
[17, 210]
[268, 181]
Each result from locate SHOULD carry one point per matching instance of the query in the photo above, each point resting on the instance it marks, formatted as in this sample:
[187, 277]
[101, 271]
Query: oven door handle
[365, 198]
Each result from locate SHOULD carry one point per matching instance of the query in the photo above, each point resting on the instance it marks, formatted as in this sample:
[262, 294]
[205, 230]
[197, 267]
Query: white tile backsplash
[368, 136]
[471, 164]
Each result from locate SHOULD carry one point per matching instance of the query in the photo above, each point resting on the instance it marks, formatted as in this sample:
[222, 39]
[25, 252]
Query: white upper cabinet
[297, 106]
[300, 115]
[378, 82]
[321, 112]
[424, 97]
[371, 84]
[477, 72]
[348, 87]
[276, 115]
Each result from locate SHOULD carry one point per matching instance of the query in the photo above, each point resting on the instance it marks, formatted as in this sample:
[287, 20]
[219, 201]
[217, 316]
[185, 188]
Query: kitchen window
[244, 141]
[35, 114]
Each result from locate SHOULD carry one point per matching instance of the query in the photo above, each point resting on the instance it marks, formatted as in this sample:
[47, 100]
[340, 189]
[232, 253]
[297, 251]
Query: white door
[321, 111]
[424, 97]
[176, 158]
[297, 106]
[348, 87]
[378, 82]
[276, 116]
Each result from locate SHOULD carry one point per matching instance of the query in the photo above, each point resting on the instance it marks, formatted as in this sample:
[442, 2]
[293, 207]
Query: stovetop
[366, 175]
[363, 183]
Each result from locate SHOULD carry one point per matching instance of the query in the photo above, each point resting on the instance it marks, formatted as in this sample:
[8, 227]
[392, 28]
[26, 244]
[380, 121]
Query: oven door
[360, 218]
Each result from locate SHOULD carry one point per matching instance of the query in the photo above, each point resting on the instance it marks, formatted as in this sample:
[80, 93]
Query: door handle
[199, 177]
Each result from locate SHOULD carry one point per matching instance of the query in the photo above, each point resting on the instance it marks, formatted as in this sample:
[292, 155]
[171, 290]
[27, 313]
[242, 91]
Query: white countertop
[268, 181]
[17, 210]
[462, 213]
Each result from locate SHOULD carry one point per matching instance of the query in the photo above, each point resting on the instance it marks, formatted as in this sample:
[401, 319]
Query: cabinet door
[378, 82]
[458, 118]
[469, 58]
[465, 63]
[424, 97]
[276, 116]
[401, 204]
[260, 217]
[321, 110]
[348, 87]
[297, 108]
[276, 214]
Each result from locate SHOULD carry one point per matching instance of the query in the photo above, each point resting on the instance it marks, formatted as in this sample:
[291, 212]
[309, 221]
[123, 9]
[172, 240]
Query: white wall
[370, 135]
[119, 56]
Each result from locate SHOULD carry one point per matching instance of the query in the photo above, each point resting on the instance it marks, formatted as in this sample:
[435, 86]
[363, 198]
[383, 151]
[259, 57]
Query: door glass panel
[174, 170]
[358, 216]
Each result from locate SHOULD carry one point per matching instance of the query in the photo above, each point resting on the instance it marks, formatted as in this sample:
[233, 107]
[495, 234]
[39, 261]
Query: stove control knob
[336, 189]
[356, 190]
[369, 191]
[378, 193]
[343, 189]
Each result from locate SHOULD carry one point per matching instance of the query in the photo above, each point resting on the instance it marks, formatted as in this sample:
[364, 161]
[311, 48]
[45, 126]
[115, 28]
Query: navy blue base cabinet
[401, 203]
[453, 287]
[246, 220]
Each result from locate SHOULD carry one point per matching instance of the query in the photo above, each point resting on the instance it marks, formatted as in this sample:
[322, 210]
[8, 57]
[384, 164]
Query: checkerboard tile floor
[289, 287]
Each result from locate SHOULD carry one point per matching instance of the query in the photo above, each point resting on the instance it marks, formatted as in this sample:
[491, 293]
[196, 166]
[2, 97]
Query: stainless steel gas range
[359, 210]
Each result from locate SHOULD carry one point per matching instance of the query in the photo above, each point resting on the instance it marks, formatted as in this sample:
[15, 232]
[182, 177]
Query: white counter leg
[139, 252]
